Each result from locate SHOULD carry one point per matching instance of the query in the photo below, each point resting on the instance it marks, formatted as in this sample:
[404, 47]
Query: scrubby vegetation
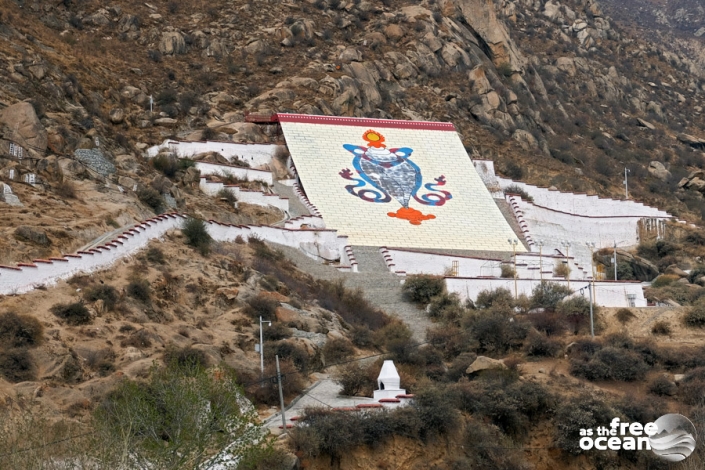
[74, 314]
[197, 235]
[421, 288]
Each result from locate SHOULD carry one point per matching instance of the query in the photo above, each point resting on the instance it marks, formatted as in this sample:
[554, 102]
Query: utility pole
[540, 243]
[281, 393]
[626, 182]
[591, 245]
[151, 103]
[261, 345]
[615, 260]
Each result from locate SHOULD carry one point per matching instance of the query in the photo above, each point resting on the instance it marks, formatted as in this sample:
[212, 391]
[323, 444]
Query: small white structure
[388, 382]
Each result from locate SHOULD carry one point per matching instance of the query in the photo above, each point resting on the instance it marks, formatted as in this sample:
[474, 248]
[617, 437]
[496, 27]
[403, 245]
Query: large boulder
[484, 363]
[658, 170]
[32, 234]
[25, 127]
[172, 43]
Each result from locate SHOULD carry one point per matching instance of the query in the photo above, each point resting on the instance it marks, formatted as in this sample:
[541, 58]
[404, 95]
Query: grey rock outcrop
[24, 127]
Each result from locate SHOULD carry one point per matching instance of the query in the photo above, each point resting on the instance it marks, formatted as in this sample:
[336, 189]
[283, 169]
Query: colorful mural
[393, 176]
[385, 182]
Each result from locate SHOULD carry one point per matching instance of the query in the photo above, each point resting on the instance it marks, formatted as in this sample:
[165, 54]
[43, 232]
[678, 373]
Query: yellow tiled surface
[469, 221]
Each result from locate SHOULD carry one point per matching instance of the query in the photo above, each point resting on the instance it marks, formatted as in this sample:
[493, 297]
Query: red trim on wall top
[366, 122]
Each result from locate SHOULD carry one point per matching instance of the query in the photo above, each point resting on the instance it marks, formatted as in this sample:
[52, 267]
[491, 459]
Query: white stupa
[388, 382]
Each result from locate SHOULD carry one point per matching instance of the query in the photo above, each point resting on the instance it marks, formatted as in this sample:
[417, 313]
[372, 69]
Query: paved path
[378, 285]
[324, 393]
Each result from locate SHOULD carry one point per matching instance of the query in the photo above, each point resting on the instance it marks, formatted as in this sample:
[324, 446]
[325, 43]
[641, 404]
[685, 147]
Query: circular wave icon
[675, 438]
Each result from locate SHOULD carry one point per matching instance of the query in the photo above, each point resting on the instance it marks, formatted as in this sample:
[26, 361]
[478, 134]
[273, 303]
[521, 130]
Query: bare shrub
[337, 350]
[108, 294]
[18, 331]
[74, 314]
[16, 365]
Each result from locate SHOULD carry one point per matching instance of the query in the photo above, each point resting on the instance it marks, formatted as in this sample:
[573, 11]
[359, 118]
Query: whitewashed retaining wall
[582, 204]
[254, 154]
[554, 227]
[607, 294]
[257, 198]
[528, 265]
[310, 221]
[247, 174]
[320, 244]
[27, 276]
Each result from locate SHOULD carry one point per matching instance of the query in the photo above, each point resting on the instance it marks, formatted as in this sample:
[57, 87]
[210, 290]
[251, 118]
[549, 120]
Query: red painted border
[367, 122]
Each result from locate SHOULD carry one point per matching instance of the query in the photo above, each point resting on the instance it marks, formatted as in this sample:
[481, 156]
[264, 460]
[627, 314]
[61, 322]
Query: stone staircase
[379, 286]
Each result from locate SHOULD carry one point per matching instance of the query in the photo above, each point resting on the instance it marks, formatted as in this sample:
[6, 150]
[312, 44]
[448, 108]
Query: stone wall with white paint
[245, 174]
[320, 244]
[246, 196]
[553, 228]
[27, 276]
[255, 155]
[528, 265]
[607, 293]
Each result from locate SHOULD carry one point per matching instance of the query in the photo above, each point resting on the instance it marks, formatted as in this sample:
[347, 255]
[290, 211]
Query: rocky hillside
[555, 92]
[678, 24]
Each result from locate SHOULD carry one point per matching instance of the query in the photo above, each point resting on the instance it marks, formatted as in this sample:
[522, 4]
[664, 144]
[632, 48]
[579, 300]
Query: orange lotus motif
[374, 138]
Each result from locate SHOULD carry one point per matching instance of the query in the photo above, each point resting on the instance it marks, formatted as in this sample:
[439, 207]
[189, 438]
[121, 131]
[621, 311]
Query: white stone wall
[582, 204]
[470, 220]
[321, 244]
[607, 294]
[27, 276]
[247, 174]
[554, 227]
[255, 154]
[412, 262]
[257, 198]
[306, 221]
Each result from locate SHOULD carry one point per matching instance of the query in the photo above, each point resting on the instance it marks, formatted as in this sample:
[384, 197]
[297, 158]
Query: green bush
[356, 379]
[662, 386]
[19, 331]
[436, 412]
[351, 305]
[275, 332]
[108, 294]
[496, 332]
[664, 280]
[695, 317]
[624, 315]
[549, 323]
[661, 328]
[227, 195]
[186, 358]
[499, 297]
[507, 271]
[337, 350]
[420, 288]
[16, 365]
[197, 235]
[445, 306]
[168, 165]
[152, 198]
[262, 305]
[574, 414]
[155, 255]
[539, 345]
[576, 310]
[176, 418]
[74, 314]
[611, 364]
[547, 295]
[139, 289]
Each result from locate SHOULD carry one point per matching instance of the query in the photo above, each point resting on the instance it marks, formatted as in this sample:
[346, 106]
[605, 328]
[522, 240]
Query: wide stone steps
[380, 287]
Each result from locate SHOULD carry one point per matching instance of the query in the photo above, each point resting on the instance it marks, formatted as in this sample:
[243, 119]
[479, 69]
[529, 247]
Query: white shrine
[388, 382]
